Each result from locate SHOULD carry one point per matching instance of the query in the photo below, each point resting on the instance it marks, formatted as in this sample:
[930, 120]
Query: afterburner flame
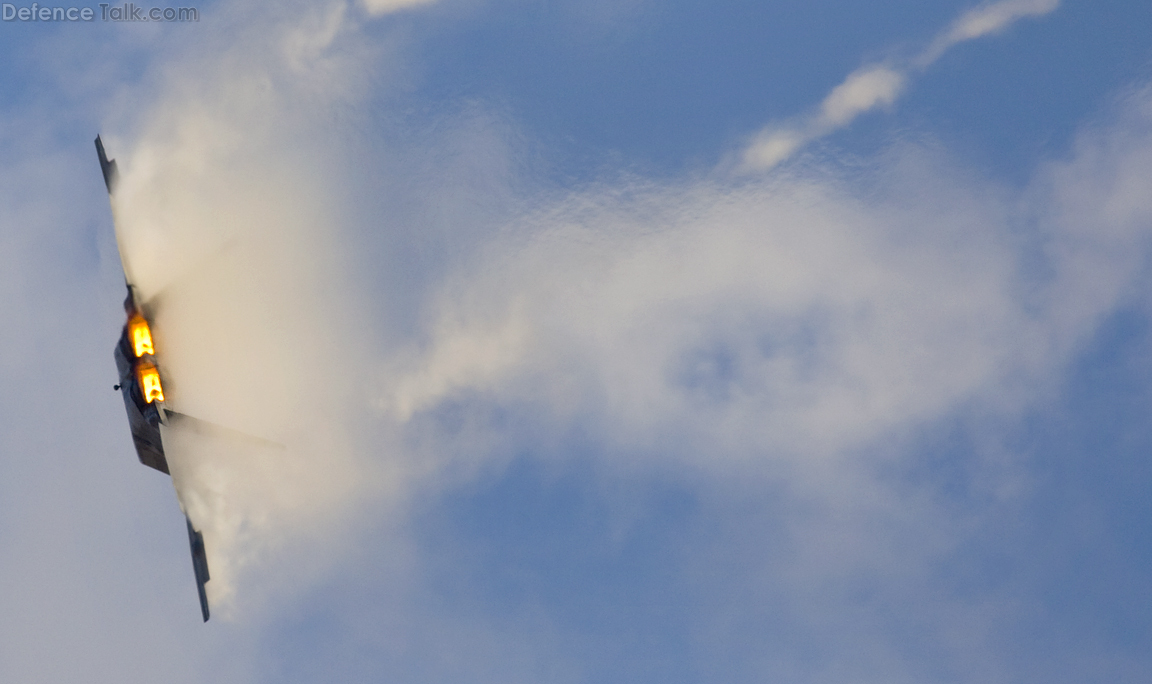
[141, 336]
[150, 382]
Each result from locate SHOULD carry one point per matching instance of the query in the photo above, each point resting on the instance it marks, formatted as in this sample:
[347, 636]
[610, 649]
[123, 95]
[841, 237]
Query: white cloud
[985, 20]
[866, 89]
[784, 316]
[776, 325]
[879, 85]
[780, 333]
[780, 339]
[771, 147]
[380, 7]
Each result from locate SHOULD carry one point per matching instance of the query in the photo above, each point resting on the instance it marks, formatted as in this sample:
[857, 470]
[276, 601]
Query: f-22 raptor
[141, 383]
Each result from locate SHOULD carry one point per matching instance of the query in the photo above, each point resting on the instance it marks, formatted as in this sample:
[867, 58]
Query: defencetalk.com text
[107, 12]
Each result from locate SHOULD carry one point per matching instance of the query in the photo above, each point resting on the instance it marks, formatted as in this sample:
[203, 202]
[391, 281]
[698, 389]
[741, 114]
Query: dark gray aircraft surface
[141, 386]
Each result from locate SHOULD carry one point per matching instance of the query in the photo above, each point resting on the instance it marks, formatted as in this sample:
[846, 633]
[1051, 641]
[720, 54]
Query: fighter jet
[142, 387]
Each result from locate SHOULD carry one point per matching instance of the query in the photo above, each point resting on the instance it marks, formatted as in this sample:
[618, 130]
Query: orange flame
[141, 336]
[150, 382]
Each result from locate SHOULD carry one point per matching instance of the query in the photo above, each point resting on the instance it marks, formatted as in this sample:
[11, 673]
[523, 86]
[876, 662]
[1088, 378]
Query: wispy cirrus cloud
[381, 7]
[981, 21]
[880, 85]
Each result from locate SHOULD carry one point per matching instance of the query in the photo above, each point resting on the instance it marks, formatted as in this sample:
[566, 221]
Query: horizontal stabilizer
[199, 566]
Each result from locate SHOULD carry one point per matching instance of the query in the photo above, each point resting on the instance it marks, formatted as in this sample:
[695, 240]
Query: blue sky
[609, 342]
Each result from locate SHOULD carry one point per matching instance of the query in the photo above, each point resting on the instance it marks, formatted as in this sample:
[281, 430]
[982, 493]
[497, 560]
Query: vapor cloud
[777, 324]
[880, 85]
[234, 236]
[787, 330]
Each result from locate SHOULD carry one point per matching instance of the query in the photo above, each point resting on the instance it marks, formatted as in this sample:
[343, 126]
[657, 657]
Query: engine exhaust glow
[150, 382]
[141, 336]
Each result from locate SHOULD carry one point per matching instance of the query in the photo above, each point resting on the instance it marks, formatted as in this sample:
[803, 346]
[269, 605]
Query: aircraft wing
[107, 167]
[141, 383]
[199, 565]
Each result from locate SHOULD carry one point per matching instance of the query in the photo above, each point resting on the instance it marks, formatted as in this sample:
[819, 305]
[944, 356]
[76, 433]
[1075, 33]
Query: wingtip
[107, 167]
[199, 566]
